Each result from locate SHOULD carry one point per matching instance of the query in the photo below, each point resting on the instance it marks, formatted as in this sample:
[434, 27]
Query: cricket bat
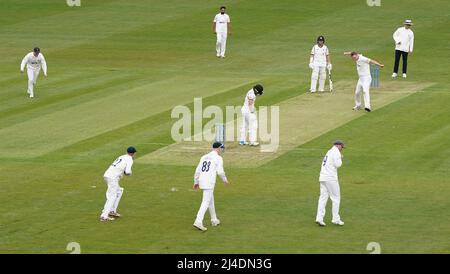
[330, 79]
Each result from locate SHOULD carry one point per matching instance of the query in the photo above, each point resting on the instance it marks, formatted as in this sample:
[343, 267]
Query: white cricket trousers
[32, 78]
[329, 189]
[250, 125]
[207, 203]
[113, 196]
[318, 73]
[363, 86]
[221, 44]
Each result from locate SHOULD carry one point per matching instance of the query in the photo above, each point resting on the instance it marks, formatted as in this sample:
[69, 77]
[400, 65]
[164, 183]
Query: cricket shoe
[243, 143]
[404, 75]
[200, 226]
[339, 223]
[367, 109]
[394, 75]
[254, 144]
[106, 219]
[215, 222]
[114, 214]
[321, 223]
[356, 108]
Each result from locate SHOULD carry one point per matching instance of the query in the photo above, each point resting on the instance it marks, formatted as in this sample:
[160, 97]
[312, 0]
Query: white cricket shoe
[106, 219]
[200, 226]
[114, 214]
[321, 223]
[215, 222]
[394, 75]
[356, 108]
[243, 143]
[254, 144]
[339, 223]
[404, 75]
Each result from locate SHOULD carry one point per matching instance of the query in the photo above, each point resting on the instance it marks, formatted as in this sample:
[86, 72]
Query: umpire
[404, 42]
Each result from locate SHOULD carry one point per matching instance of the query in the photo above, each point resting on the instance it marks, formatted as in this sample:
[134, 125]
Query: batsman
[319, 62]
[249, 120]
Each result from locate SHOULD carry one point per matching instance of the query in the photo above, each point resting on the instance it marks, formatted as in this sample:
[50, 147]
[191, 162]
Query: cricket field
[116, 69]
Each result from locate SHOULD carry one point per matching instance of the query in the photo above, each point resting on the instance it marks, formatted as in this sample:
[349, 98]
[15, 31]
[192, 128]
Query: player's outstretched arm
[376, 63]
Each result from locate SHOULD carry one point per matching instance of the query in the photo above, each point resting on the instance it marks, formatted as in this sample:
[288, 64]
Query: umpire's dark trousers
[404, 55]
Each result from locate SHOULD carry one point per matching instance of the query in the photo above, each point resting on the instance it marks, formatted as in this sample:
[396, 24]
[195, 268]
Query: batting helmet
[321, 38]
[258, 89]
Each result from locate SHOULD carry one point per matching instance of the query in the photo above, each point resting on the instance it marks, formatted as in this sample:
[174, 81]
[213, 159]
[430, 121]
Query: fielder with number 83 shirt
[208, 168]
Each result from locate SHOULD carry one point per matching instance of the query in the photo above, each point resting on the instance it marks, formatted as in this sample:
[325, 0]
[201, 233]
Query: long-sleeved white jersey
[405, 37]
[319, 55]
[121, 166]
[208, 168]
[34, 62]
[331, 162]
[249, 96]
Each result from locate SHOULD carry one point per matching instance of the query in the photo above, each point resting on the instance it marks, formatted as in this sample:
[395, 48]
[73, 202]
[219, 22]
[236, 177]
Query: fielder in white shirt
[34, 61]
[208, 168]
[221, 27]
[319, 61]
[404, 44]
[363, 85]
[329, 184]
[249, 120]
[121, 166]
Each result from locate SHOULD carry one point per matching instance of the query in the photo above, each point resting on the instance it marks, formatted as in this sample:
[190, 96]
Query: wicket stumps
[375, 73]
[219, 133]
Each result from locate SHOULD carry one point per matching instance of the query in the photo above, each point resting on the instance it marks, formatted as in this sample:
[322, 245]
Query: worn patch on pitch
[302, 119]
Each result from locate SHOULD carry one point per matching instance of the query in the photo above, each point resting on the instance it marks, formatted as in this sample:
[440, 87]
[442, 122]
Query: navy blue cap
[338, 142]
[131, 150]
[218, 145]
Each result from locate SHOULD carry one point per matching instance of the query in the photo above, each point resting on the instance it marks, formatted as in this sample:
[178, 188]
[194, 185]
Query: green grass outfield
[117, 68]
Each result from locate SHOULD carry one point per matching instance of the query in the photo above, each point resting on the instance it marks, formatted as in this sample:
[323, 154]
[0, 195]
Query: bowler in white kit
[249, 120]
[121, 166]
[208, 168]
[329, 184]
[34, 61]
[319, 62]
[363, 85]
[221, 27]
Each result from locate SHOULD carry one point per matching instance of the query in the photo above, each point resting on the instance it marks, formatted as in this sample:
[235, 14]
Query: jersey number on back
[205, 166]
[116, 162]
[325, 160]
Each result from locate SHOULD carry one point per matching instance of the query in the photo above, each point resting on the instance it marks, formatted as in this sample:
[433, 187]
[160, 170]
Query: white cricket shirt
[320, 55]
[208, 168]
[250, 96]
[363, 66]
[119, 167]
[34, 62]
[221, 21]
[405, 37]
[331, 162]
